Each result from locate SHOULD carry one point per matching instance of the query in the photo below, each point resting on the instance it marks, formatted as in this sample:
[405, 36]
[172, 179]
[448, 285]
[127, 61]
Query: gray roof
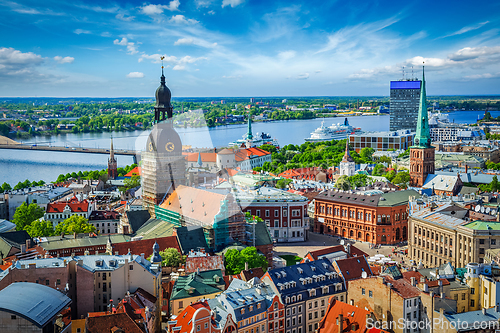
[6, 225]
[467, 320]
[81, 240]
[36, 303]
[137, 218]
[383, 200]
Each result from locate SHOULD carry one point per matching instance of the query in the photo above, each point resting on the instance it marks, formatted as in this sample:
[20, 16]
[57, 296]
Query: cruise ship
[334, 132]
[254, 141]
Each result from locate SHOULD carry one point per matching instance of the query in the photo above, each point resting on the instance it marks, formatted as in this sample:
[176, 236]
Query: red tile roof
[435, 283]
[205, 157]
[245, 154]
[146, 245]
[74, 205]
[352, 268]
[354, 318]
[204, 263]
[184, 319]
[403, 288]
[137, 171]
[104, 324]
[247, 275]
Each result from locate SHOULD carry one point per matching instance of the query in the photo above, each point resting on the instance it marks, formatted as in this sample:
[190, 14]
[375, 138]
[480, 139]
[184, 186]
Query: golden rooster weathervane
[161, 58]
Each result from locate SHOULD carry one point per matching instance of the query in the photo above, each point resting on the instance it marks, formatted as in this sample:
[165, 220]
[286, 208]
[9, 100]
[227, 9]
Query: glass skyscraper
[405, 97]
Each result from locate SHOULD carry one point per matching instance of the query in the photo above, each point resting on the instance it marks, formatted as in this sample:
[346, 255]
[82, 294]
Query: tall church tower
[112, 165]
[163, 166]
[249, 138]
[347, 165]
[421, 153]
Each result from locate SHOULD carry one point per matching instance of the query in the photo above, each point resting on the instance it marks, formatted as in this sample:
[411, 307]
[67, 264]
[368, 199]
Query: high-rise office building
[405, 97]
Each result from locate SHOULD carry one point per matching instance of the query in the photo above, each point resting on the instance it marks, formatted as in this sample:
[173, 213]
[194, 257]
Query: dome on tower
[163, 139]
[163, 94]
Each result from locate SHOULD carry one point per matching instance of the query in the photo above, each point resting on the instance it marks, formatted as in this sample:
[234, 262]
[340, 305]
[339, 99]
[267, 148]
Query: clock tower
[421, 153]
[163, 166]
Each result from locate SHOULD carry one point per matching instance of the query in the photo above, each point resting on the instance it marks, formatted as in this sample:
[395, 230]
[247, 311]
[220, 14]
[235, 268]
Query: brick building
[285, 213]
[373, 216]
[105, 222]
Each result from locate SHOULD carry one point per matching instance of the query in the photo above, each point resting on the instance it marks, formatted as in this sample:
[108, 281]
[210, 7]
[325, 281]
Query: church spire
[163, 96]
[347, 156]
[423, 137]
[249, 132]
[111, 152]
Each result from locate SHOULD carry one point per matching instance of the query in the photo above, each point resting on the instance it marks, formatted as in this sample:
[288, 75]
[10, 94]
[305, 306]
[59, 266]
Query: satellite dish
[477, 209]
[342, 242]
[364, 275]
[488, 210]
[482, 209]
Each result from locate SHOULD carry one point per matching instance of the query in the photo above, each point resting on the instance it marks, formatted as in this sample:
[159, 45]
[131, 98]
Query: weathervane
[161, 58]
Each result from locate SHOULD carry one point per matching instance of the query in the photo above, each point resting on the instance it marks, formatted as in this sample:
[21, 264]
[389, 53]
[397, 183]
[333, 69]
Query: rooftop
[36, 303]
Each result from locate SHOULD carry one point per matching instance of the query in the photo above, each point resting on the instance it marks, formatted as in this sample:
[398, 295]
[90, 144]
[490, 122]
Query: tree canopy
[235, 260]
[40, 229]
[74, 224]
[26, 214]
[170, 257]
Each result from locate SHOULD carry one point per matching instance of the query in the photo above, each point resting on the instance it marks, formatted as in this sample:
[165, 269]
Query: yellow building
[484, 289]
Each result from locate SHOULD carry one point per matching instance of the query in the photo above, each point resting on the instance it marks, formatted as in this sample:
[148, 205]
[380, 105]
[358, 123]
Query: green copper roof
[423, 136]
[249, 134]
[483, 225]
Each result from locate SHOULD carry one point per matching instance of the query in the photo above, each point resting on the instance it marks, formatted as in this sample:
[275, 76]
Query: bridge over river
[6, 143]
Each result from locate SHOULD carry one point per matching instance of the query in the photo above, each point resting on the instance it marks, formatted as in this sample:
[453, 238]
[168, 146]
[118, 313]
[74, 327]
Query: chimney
[341, 323]
[466, 168]
[23, 248]
[484, 311]
[497, 308]
[246, 266]
[413, 281]
[28, 244]
[142, 258]
[74, 235]
[426, 287]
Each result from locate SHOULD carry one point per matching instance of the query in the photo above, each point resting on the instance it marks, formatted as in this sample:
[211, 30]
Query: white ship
[334, 132]
[254, 141]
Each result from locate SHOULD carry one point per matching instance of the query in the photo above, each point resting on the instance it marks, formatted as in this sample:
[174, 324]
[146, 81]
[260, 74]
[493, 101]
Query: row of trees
[27, 217]
[95, 174]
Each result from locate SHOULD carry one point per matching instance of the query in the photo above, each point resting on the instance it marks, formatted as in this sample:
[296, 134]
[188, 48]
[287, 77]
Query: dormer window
[243, 311]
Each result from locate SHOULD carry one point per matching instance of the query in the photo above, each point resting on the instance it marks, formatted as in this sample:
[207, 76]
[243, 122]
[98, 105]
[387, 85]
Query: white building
[347, 165]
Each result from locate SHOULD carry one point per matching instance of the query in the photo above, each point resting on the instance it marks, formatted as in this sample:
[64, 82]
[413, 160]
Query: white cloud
[285, 55]
[154, 10]
[211, 12]
[178, 63]
[232, 3]
[181, 19]
[303, 76]
[131, 48]
[464, 59]
[203, 3]
[232, 77]
[124, 18]
[105, 34]
[17, 65]
[64, 60]
[81, 31]
[135, 75]
[184, 41]
[467, 29]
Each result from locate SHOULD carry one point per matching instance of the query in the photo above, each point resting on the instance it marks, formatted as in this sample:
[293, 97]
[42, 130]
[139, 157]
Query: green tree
[6, 187]
[494, 185]
[235, 260]
[402, 179]
[343, 183]
[74, 224]
[171, 257]
[390, 175]
[40, 229]
[26, 214]
[378, 170]
[358, 180]
[283, 183]
[367, 153]
[269, 148]
[132, 182]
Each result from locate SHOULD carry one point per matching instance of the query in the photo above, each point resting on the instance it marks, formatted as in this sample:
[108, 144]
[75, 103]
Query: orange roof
[354, 318]
[74, 205]
[137, 171]
[194, 203]
[245, 154]
[231, 172]
[185, 319]
[205, 157]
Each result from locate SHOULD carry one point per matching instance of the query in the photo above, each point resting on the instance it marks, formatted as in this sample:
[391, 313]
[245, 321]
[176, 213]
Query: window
[46, 282]
[363, 291]
[267, 212]
[370, 293]
[481, 241]
[276, 213]
[198, 328]
[463, 297]
[472, 291]
[13, 317]
[472, 302]
[181, 304]
[310, 316]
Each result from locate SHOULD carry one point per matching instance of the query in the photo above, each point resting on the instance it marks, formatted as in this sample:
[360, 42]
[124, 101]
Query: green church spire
[249, 134]
[423, 136]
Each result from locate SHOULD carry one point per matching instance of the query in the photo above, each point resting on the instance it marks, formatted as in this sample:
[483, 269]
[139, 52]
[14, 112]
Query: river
[16, 166]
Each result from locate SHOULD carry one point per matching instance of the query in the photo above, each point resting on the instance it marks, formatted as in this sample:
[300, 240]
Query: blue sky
[246, 48]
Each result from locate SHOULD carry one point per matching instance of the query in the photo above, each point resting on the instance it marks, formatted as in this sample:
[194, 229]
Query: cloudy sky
[246, 47]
